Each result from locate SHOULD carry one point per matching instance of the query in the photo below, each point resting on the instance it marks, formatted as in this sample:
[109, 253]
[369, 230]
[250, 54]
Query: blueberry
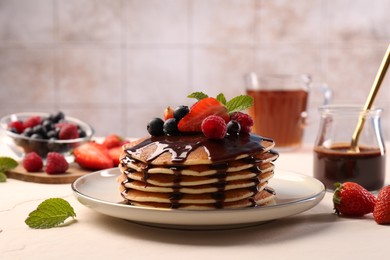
[36, 136]
[82, 133]
[39, 129]
[57, 117]
[170, 127]
[180, 112]
[155, 127]
[233, 127]
[52, 134]
[28, 132]
[47, 125]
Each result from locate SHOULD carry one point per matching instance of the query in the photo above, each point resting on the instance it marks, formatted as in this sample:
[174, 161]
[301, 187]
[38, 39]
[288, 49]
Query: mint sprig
[6, 164]
[50, 213]
[235, 104]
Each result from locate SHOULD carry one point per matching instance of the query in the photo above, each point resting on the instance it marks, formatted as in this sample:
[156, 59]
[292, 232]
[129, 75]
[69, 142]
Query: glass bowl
[21, 144]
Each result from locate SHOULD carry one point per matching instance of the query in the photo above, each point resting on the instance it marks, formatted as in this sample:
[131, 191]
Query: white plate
[295, 193]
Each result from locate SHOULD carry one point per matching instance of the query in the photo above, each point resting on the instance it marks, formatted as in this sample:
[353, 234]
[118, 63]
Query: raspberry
[68, 131]
[32, 162]
[16, 126]
[245, 121]
[214, 127]
[32, 121]
[56, 163]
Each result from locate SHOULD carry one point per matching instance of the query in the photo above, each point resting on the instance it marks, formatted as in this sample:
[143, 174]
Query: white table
[314, 234]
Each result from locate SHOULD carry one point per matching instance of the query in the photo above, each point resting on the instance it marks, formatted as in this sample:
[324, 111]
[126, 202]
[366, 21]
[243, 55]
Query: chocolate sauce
[218, 150]
[337, 164]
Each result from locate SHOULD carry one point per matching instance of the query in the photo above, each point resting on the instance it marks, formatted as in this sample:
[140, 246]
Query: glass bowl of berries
[43, 133]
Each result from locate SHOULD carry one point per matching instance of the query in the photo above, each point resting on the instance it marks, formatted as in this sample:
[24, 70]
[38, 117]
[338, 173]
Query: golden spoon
[370, 99]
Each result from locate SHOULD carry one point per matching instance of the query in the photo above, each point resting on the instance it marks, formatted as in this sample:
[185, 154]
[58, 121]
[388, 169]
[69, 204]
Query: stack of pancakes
[193, 172]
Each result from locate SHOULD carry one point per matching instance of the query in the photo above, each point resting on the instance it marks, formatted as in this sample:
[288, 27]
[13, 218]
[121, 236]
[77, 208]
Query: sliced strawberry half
[93, 156]
[199, 111]
[115, 153]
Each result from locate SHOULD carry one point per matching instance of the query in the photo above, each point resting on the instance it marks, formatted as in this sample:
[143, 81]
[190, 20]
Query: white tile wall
[118, 63]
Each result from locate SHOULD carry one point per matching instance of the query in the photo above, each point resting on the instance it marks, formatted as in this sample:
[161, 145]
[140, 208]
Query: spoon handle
[371, 97]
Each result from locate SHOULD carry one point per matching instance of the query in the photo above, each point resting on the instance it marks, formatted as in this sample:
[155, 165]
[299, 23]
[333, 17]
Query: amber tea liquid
[336, 164]
[277, 115]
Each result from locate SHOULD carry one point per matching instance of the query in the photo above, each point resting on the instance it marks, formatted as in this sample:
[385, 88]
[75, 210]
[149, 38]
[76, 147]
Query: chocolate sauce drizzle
[219, 152]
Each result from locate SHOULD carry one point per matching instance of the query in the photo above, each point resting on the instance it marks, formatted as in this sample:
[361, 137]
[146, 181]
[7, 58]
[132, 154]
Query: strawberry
[93, 156]
[114, 153]
[351, 199]
[382, 206]
[112, 140]
[199, 111]
[168, 113]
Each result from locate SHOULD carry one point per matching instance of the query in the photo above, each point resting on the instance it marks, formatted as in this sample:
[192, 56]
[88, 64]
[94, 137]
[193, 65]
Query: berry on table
[155, 127]
[245, 121]
[56, 163]
[382, 206]
[351, 199]
[32, 162]
[112, 140]
[180, 112]
[93, 156]
[214, 127]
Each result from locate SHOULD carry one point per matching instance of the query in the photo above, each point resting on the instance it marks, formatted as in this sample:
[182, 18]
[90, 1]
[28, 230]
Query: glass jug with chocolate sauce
[335, 160]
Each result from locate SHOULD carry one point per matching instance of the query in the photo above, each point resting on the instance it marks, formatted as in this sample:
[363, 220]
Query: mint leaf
[50, 213]
[7, 163]
[221, 98]
[3, 177]
[197, 95]
[239, 103]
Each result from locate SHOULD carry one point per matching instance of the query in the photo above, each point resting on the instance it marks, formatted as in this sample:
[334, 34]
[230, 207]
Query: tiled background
[118, 63]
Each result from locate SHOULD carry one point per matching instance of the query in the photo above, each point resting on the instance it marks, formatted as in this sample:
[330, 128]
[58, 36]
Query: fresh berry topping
[16, 127]
[93, 156]
[382, 206]
[244, 120]
[199, 111]
[32, 121]
[180, 112]
[170, 127]
[68, 131]
[233, 127]
[32, 162]
[56, 163]
[351, 199]
[214, 127]
[112, 140]
[115, 153]
[168, 113]
[155, 127]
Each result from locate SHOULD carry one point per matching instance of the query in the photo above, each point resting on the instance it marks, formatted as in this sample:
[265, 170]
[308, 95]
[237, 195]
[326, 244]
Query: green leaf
[197, 95]
[221, 98]
[7, 163]
[3, 177]
[239, 103]
[50, 213]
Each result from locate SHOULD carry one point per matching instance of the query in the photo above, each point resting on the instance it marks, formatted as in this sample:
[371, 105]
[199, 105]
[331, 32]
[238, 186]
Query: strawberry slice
[199, 111]
[93, 156]
[114, 153]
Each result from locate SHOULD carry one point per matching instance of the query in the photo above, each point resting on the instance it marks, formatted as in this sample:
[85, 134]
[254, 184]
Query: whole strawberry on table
[352, 200]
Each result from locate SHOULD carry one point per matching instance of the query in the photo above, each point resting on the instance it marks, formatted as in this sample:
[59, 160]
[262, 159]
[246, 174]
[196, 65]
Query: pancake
[196, 173]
